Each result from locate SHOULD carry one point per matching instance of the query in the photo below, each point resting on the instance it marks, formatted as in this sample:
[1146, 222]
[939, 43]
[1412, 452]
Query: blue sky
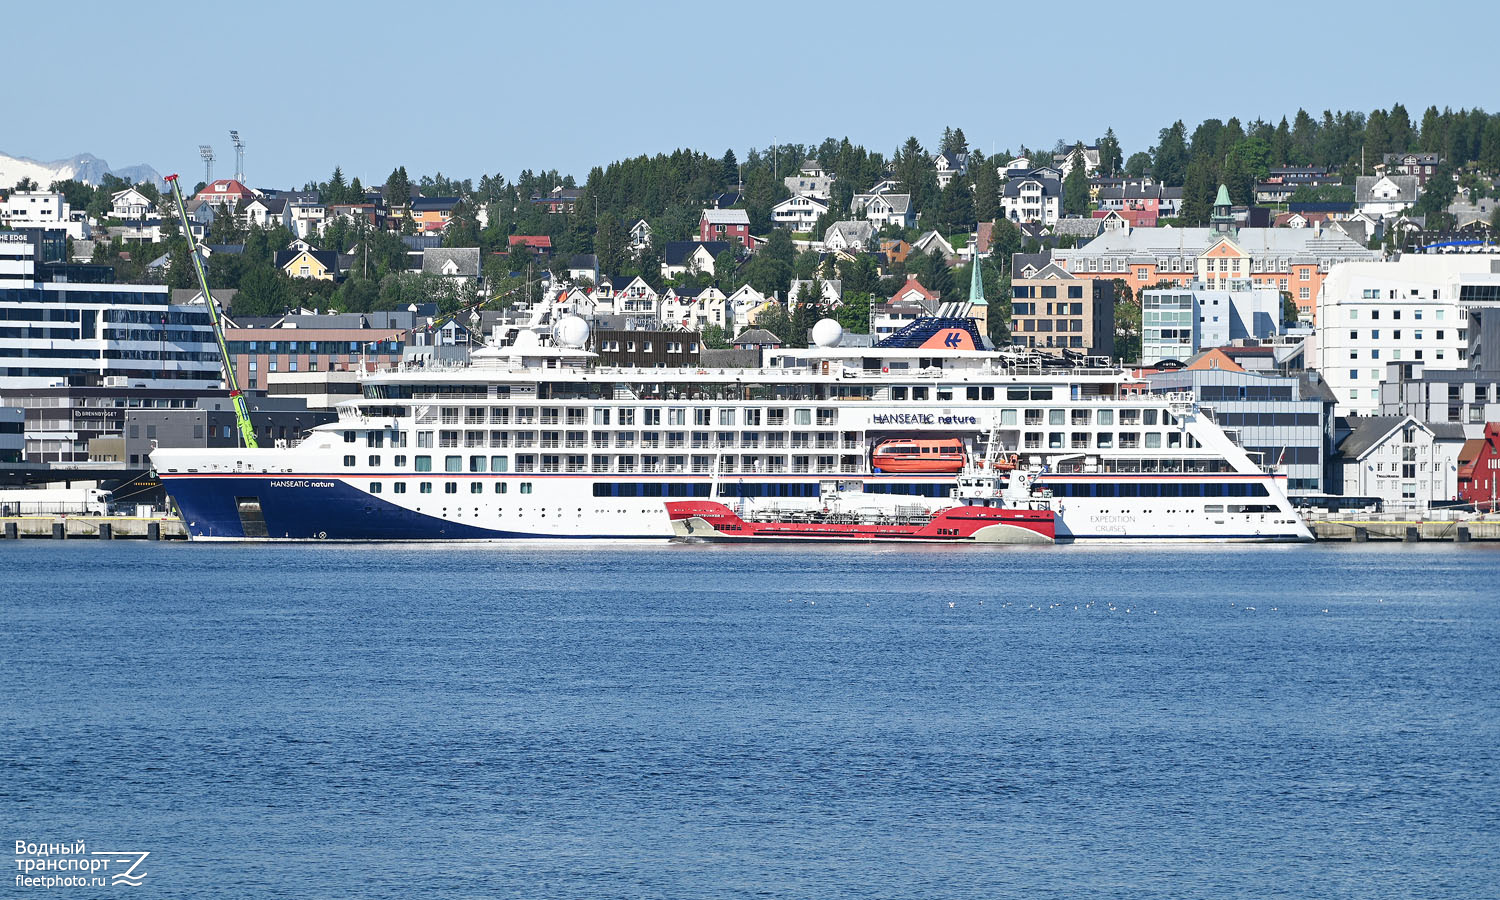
[472, 87]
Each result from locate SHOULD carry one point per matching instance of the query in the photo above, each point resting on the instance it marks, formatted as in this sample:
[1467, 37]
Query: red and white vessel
[710, 521]
[993, 503]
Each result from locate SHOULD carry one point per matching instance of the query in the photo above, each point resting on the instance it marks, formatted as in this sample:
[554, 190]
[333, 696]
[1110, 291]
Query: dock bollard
[1461, 534]
[106, 531]
[1413, 533]
[1361, 534]
[153, 531]
[59, 531]
[12, 531]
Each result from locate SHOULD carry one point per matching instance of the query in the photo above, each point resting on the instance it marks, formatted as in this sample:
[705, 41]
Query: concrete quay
[162, 528]
[1361, 530]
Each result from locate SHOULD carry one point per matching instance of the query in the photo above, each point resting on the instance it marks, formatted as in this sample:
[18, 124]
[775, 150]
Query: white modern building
[86, 330]
[37, 209]
[1409, 310]
[1176, 323]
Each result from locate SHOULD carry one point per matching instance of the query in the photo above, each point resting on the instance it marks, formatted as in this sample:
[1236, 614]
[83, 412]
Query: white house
[855, 237]
[131, 204]
[307, 217]
[828, 291]
[1018, 166]
[640, 235]
[1034, 197]
[930, 241]
[881, 210]
[691, 257]
[1372, 313]
[695, 308]
[799, 213]
[637, 298]
[950, 166]
[743, 304]
[267, 212]
[1404, 462]
[1385, 195]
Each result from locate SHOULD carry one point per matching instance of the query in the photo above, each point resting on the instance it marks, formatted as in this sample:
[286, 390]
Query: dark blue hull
[308, 508]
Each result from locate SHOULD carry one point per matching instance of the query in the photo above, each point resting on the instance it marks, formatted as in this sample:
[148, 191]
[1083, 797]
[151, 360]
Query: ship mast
[237, 399]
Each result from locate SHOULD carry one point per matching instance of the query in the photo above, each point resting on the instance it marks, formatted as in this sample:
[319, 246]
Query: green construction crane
[241, 412]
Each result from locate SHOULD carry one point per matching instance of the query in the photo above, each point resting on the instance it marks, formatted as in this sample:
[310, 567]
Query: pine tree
[1075, 198]
[1198, 190]
[1169, 165]
[1281, 144]
[356, 191]
[731, 169]
[986, 187]
[337, 190]
[1111, 159]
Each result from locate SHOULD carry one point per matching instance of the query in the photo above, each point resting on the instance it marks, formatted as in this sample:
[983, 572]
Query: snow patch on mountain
[85, 167]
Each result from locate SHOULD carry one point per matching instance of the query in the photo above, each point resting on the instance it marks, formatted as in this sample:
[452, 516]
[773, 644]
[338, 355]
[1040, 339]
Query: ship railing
[550, 467]
[576, 466]
[626, 468]
[448, 444]
[550, 444]
[601, 465]
[574, 443]
[851, 445]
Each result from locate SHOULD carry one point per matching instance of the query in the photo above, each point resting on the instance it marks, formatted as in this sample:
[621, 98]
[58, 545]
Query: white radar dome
[571, 331]
[827, 333]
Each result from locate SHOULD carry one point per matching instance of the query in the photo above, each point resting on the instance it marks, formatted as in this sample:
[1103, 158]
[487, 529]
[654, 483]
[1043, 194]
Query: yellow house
[319, 265]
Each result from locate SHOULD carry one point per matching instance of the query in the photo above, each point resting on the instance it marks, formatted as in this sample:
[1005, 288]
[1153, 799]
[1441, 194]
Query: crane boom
[237, 399]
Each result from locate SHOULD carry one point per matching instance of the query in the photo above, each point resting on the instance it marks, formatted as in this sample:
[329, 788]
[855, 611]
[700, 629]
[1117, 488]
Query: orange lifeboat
[919, 455]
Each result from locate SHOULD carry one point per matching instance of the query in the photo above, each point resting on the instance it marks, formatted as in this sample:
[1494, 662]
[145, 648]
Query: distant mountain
[85, 167]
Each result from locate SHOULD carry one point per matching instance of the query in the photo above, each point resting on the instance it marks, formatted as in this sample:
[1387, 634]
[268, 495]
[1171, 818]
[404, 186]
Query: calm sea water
[676, 721]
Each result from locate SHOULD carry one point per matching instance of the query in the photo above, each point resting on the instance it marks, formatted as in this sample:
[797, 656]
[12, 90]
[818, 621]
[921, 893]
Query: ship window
[525, 487]
[1104, 490]
[500, 487]
[1106, 417]
[374, 487]
[898, 393]
[726, 416]
[476, 487]
[1130, 490]
[1106, 440]
[1150, 490]
[450, 487]
[498, 464]
[1149, 416]
[1007, 416]
[374, 460]
[349, 460]
[348, 437]
[453, 464]
[399, 461]
[801, 417]
[1056, 416]
[1171, 490]
[1055, 440]
[425, 487]
[1153, 439]
[919, 392]
[400, 487]
[424, 464]
[476, 463]
[1213, 490]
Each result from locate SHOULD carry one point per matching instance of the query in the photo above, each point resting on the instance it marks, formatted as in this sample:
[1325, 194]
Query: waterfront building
[63, 323]
[1479, 469]
[1178, 322]
[1053, 310]
[1412, 310]
[1286, 420]
[1406, 464]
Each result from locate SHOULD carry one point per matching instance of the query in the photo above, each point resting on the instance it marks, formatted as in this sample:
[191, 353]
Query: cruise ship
[529, 439]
